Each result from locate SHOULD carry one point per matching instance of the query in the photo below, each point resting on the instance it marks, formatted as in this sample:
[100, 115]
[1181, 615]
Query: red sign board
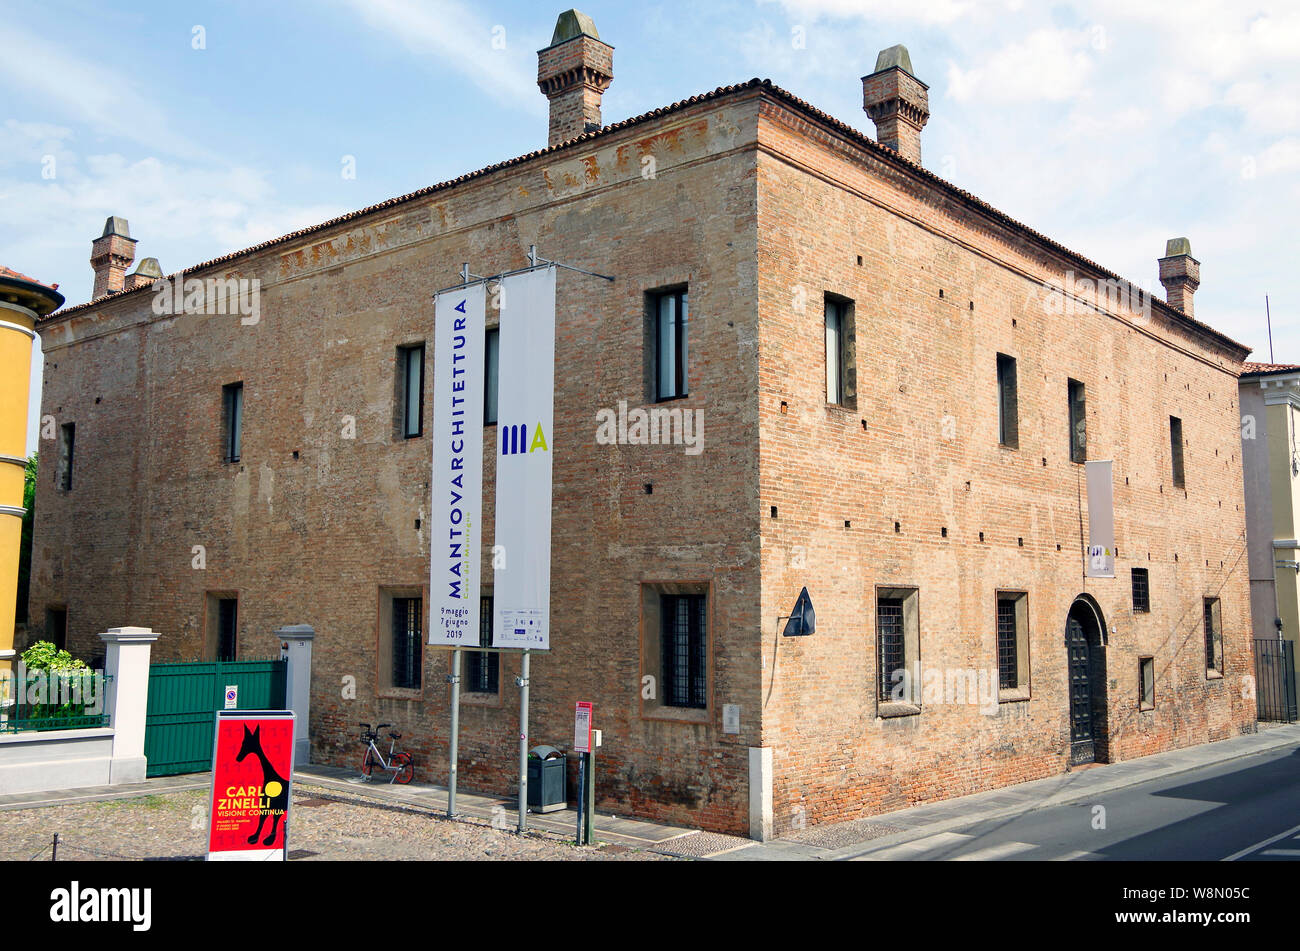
[252, 771]
[582, 728]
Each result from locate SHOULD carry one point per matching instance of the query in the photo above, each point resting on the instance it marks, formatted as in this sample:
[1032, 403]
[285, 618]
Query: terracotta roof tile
[15, 276]
[1258, 369]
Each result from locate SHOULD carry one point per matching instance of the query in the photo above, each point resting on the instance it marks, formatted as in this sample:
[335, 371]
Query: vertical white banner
[455, 525]
[1101, 521]
[525, 441]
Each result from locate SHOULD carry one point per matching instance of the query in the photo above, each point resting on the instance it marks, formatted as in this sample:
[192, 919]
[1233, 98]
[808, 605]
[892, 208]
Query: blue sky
[1109, 125]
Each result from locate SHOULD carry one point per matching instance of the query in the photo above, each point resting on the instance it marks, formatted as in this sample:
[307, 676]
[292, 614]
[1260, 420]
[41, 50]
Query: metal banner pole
[523, 743]
[582, 794]
[590, 794]
[453, 770]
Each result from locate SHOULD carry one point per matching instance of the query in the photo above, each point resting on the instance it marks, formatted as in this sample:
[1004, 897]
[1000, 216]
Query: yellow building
[1270, 455]
[22, 301]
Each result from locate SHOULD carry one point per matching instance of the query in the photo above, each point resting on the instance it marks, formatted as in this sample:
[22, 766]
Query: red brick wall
[922, 449]
[312, 539]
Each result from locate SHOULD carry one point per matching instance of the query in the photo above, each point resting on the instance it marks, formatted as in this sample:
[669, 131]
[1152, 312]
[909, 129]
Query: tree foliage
[25, 546]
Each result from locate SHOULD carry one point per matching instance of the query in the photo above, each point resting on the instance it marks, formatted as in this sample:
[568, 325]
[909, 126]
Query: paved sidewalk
[633, 833]
[862, 838]
[158, 786]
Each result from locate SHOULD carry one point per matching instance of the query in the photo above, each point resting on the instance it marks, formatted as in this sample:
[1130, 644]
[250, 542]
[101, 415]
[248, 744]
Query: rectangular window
[835, 351]
[408, 617]
[410, 368]
[221, 629]
[1078, 423]
[897, 651]
[492, 371]
[684, 650]
[232, 398]
[67, 446]
[1176, 449]
[483, 668]
[1213, 638]
[670, 319]
[1141, 591]
[1006, 642]
[1146, 683]
[56, 627]
[1013, 644]
[1008, 411]
[227, 629]
[890, 642]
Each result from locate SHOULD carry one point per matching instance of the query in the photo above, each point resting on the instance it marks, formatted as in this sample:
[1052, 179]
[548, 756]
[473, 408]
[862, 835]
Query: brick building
[897, 383]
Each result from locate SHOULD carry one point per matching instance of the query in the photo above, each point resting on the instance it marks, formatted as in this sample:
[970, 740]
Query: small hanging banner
[1101, 521]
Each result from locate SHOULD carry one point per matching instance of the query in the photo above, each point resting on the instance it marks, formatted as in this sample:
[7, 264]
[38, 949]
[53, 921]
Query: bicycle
[398, 763]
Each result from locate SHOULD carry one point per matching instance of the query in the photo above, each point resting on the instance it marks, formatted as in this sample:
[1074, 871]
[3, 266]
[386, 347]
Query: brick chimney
[897, 102]
[573, 72]
[1180, 273]
[110, 255]
[145, 274]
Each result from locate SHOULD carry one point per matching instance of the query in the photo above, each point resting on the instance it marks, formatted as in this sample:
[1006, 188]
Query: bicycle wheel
[368, 764]
[407, 771]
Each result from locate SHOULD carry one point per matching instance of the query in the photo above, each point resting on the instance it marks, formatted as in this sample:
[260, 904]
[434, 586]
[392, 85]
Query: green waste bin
[546, 774]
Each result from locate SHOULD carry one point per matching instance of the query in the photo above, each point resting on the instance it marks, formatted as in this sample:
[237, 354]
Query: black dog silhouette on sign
[275, 788]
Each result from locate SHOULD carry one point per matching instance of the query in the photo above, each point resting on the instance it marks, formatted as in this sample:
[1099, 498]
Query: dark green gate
[184, 699]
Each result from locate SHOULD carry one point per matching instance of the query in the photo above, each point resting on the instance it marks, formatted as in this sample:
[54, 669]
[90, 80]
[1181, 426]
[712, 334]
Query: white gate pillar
[295, 647]
[126, 663]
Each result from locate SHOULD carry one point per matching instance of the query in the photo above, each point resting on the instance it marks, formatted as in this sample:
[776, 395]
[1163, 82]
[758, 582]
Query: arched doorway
[1085, 651]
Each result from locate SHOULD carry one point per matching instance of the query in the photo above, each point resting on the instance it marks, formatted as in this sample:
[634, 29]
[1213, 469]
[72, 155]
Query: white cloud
[1051, 65]
[461, 39]
[922, 11]
[179, 213]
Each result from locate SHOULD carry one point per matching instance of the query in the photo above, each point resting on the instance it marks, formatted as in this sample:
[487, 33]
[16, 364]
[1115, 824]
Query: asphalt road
[1246, 809]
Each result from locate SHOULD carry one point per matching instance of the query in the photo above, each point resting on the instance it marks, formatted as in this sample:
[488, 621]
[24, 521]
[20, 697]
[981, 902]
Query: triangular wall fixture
[803, 620]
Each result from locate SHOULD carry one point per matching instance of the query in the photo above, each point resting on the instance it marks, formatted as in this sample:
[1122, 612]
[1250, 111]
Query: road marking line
[913, 850]
[1291, 852]
[994, 852]
[1260, 845]
[1075, 856]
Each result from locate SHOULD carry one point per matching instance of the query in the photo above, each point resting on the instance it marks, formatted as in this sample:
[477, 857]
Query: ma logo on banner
[514, 439]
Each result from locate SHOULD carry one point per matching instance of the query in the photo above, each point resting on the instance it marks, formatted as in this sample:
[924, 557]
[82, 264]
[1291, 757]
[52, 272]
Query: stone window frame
[233, 399]
[384, 688]
[212, 598]
[1146, 664]
[650, 342]
[1021, 691]
[1077, 394]
[1212, 619]
[887, 708]
[402, 430]
[653, 707]
[485, 698]
[1008, 397]
[1141, 605]
[1177, 462]
[67, 457]
[848, 369]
